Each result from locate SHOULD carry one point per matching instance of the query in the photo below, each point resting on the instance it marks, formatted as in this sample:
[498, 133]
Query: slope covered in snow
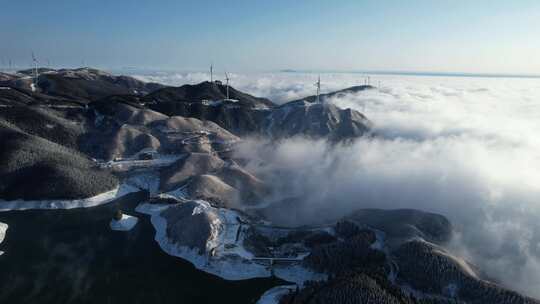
[103, 198]
[3, 230]
[126, 223]
[212, 239]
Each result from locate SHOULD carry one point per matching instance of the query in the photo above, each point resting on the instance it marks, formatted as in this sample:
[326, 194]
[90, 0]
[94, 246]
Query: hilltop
[81, 84]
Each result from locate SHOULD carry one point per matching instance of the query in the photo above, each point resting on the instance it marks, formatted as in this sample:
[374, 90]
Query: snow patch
[180, 192]
[212, 103]
[148, 181]
[151, 209]
[159, 160]
[379, 240]
[3, 229]
[226, 256]
[126, 223]
[273, 295]
[226, 267]
[93, 201]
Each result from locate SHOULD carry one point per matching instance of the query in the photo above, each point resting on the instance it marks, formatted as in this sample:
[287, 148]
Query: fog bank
[464, 148]
[467, 148]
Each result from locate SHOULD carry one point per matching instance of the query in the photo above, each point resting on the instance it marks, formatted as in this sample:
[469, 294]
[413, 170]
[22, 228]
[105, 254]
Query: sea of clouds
[464, 147]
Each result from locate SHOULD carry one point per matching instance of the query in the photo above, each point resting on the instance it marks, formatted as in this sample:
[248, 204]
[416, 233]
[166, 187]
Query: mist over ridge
[466, 148]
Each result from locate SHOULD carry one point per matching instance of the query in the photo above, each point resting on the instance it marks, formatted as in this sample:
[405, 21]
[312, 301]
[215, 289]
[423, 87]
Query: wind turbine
[34, 60]
[211, 72]
[227, 84]
[318, 85]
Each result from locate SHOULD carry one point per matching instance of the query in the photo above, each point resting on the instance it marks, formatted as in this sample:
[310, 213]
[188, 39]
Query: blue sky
[478, 36]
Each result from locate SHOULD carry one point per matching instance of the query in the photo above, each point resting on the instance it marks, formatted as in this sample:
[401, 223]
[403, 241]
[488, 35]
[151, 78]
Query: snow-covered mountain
[84, 137]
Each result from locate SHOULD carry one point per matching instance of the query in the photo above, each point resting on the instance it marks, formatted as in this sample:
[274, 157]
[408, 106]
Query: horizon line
[306, 71]
[417, 73]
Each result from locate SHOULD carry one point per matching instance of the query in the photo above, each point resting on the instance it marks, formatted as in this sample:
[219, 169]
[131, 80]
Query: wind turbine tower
[211, 72]
[318, 85]
[227, 83]
[34, 60]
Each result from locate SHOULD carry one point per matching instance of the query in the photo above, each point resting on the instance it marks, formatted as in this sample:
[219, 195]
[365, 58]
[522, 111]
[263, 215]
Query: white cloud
[467, 148]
